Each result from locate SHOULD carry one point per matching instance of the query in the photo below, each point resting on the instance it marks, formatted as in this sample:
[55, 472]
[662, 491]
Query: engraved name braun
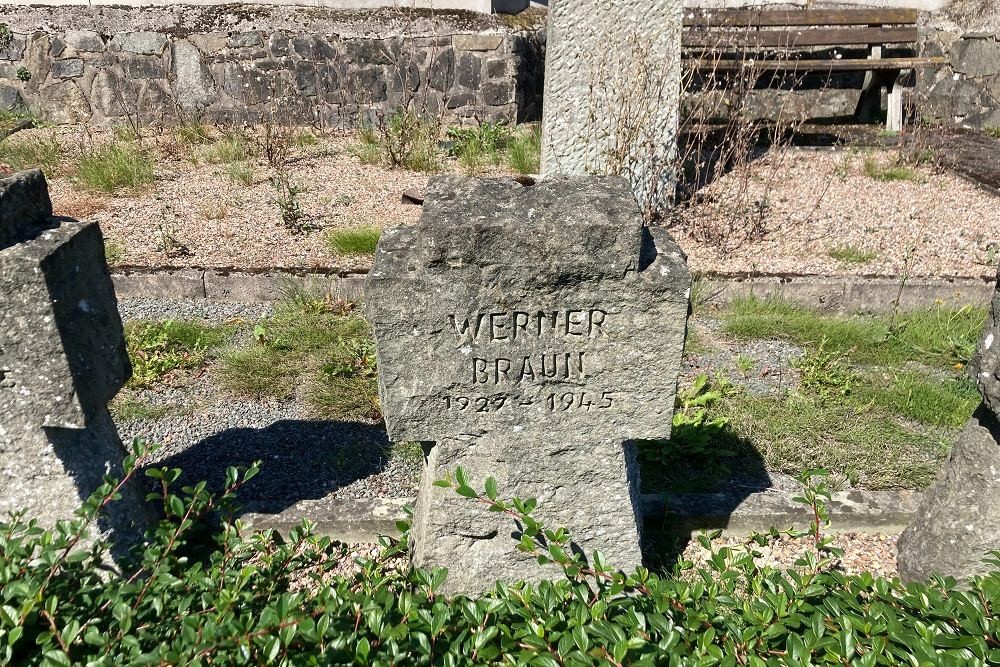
[560, 327]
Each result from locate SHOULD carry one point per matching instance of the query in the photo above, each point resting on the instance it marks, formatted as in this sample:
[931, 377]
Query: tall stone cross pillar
[62, 359]
[528, 333]
[612, 93]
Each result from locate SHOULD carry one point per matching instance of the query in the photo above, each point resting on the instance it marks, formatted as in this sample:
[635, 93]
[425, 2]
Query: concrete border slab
[875, 512]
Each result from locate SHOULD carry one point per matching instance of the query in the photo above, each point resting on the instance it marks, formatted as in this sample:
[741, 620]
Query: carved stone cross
[528, 332]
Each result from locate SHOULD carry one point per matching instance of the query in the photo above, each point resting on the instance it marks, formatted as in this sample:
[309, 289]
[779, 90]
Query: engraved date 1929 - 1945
[555, 402]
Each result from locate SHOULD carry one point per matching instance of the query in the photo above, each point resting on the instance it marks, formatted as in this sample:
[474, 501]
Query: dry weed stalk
[721, 135]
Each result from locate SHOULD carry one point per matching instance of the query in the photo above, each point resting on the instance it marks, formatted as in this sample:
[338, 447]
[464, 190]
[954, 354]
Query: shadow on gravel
[301, 460]
[701, 478]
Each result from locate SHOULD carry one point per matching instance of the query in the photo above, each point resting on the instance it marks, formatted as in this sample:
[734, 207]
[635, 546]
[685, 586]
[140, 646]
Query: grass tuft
[32, 152]
[115, 166]
[525, 151]
[129, 409]
[315, 344]
[404, 139]
[891, 172]
[937, 336]
[241, 173]
[359, 241]
[851, 255]
[938, 402]
[194, 134]
[114, 253]
[231, 148]
[863, 443]
[304, 138]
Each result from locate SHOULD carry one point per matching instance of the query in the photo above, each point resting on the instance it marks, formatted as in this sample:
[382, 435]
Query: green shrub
[203, 591]
[525, 150]
[32, 152]
[359, 241]
[157, 349]
[115, 166]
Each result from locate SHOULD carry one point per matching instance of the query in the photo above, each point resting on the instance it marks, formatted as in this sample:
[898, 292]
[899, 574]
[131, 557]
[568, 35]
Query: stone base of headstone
[589, 488]
[62, 360]
[48, 472]
[958, 523]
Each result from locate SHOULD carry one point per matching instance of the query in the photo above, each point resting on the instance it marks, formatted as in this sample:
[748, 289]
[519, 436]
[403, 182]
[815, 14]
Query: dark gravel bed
[205, 430]
[200, 309]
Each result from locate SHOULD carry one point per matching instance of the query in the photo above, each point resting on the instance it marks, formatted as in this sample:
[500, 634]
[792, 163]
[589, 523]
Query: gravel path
[862, 552]
[199, 309]
[811, 203]
[807, 203]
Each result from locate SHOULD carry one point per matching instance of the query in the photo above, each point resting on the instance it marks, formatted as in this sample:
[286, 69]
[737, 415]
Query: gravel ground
[200, 309]
[205, 430]
[810, 203]
[222, 223]
[807, 202]
[766, 364]
[862, 552]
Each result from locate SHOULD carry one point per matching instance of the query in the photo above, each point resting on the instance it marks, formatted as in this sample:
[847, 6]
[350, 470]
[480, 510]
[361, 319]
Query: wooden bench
[763, 41]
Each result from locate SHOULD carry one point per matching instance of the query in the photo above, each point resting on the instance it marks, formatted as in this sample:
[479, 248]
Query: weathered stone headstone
[958, 522]
[62, 359]
[612, 92]
[528, 332]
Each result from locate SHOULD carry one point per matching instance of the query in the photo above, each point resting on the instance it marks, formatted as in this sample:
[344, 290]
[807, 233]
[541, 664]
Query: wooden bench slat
[841, 65]
[792, 17]
[797, 38]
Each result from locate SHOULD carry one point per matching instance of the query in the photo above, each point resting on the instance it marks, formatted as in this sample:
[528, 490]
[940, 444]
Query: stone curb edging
[879, 512]
[827, 293]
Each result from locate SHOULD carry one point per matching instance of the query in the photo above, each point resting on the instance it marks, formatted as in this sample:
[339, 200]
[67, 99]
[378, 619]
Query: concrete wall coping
[365, 18]
[827, 293]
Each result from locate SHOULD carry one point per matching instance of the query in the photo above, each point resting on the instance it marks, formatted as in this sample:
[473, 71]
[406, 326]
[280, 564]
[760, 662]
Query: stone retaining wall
[966, 91]
[104, 65]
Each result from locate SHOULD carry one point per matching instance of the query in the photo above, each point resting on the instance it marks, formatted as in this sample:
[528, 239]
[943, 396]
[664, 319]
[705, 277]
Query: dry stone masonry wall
[967, 90]
[95, 65]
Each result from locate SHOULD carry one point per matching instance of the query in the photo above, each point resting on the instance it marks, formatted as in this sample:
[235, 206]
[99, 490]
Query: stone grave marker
[62, 359]
[958, 522]
[528, 333]
[612, 92]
